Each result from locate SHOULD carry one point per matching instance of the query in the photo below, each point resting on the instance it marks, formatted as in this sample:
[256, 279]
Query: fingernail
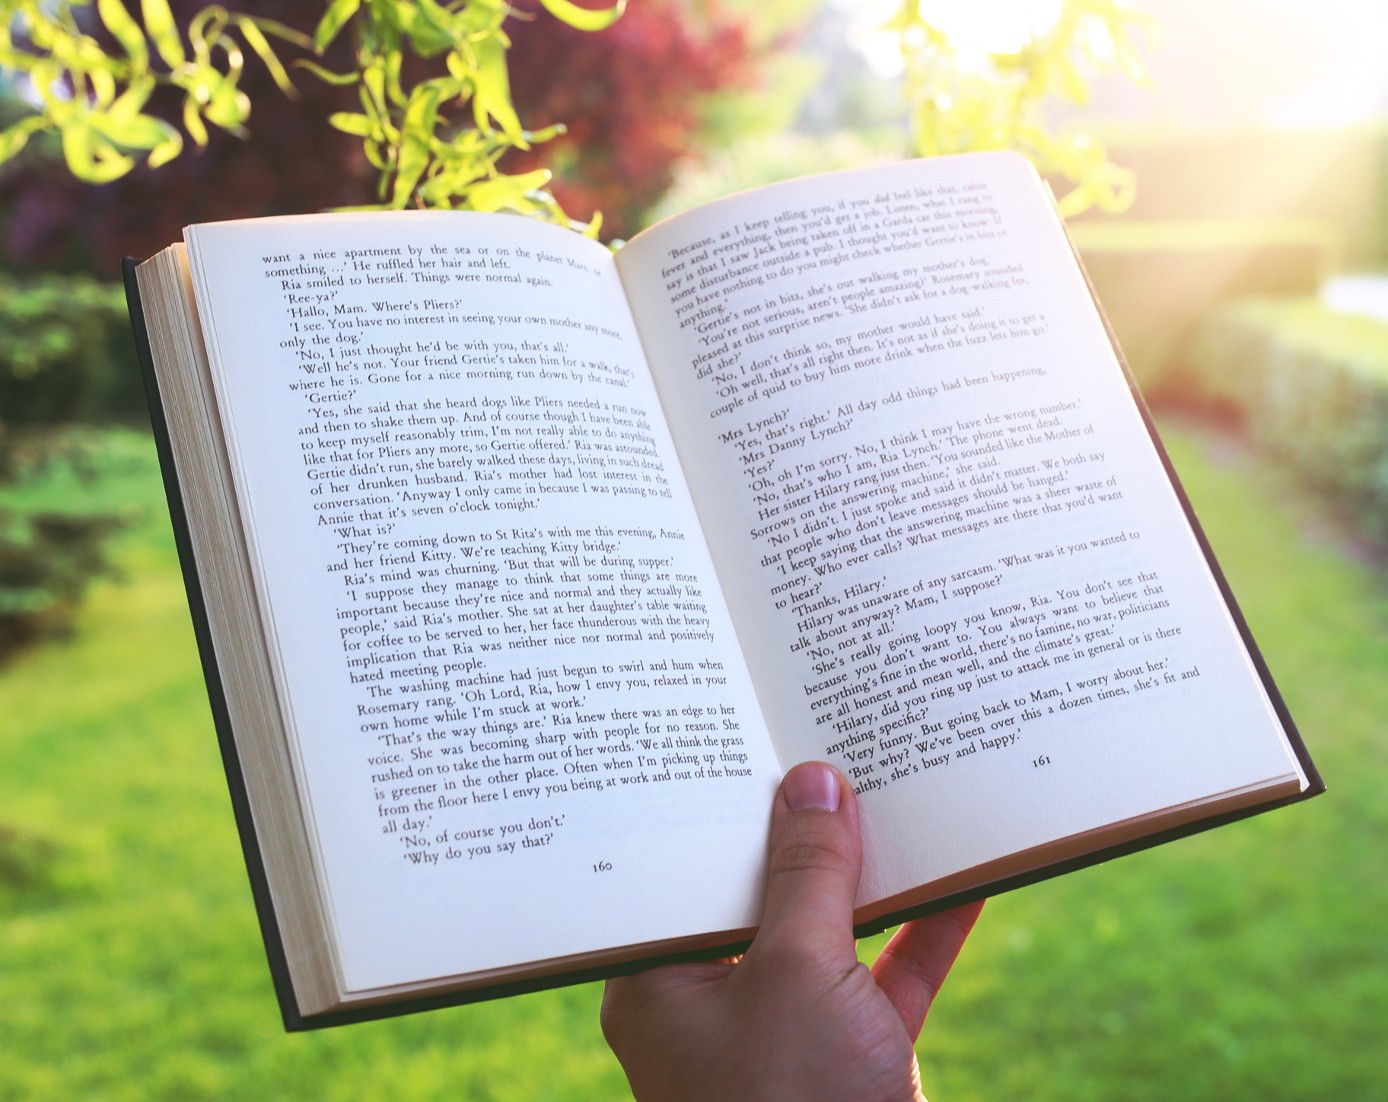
[812, 786]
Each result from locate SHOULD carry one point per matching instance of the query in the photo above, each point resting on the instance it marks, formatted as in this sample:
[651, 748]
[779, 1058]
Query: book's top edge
[319, 217]
[877, 167]
[421, 215]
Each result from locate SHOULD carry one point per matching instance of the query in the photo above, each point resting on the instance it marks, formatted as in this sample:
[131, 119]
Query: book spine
[197, 606]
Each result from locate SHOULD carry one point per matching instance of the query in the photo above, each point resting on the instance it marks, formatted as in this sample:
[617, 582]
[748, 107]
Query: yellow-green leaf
[163, 31]
[257, 41]
[505, 191]
[373, 85]
[132, 101]
[166, 150]
[103, 87]
[349, 122]
[585, 19]
[492, 91]
[13, 139]
[428, 26]
[139, 132]
[394, 89]
[124, 30]
[281, 31]
[229, 107]
[327, 76]
[192, 121]
[417, 129]
[89, 159]
[337, 15]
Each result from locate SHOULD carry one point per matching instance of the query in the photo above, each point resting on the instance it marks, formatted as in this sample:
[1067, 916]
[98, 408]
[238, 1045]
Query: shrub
[1158, 279]
[1311, 385]
[67, 352]
[53, 530]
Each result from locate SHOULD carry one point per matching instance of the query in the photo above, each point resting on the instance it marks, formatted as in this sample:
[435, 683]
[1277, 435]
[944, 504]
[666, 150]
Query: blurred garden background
[1225, 163]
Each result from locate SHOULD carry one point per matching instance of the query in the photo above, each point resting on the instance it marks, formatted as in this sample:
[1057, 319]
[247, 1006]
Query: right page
[958, 567]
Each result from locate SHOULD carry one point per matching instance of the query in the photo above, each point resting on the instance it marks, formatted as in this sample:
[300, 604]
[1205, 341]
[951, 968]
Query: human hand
[797, 1017]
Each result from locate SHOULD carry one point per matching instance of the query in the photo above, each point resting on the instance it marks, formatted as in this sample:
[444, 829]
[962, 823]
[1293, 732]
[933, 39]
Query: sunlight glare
[976, 29]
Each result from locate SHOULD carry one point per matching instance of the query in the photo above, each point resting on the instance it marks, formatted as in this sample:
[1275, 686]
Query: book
[522, 569]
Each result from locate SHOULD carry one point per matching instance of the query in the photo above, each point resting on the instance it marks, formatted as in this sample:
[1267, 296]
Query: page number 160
[603, 866]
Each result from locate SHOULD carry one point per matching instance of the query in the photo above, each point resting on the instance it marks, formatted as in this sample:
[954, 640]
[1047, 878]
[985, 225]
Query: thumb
[812, 868]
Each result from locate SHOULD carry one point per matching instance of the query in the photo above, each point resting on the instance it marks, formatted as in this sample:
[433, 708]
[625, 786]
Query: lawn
[1244, 963]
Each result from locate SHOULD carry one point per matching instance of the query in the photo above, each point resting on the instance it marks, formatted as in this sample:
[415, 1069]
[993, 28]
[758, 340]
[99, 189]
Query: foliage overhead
[633, 99]
[93, 88]
[956, 105]
[423, 156]
[92, 84]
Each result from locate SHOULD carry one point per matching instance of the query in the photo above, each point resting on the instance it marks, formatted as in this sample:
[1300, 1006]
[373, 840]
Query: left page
[514, 698]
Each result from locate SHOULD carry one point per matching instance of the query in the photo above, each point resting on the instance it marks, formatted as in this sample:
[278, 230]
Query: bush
[68, 358]
[1308, 383]
[55, 526]
[68, 353]
[1158, 279]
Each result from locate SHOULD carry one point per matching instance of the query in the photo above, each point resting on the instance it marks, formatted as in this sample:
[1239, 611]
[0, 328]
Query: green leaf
[134, 132]
[585, 19]
[192, 121]
[349, 122]
[334, 19]
[327, 76]
[281, 31]
[257, 41]
[430, 28]
[124, 30]
[415, 133]
[103, 84]
[91, 159]
[166, 150]
[506, 191]
[394, 89]
[549, 133]
[13, 139]
[163, 31]
[492, 91]
[229, 107]
[77, 149]
[373, 85]
[130, 104]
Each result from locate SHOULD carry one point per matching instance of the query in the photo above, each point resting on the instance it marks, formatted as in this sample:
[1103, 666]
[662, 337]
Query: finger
[812, 867]
[916, 961]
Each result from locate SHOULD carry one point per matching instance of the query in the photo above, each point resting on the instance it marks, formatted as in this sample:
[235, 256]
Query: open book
[523, 570]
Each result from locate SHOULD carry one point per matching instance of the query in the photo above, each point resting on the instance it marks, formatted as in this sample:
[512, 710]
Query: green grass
[1248, 962]
[1245, 963]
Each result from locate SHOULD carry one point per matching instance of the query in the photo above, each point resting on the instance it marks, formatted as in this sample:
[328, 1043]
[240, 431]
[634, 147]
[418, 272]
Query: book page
[959, 569]
[516, 702]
